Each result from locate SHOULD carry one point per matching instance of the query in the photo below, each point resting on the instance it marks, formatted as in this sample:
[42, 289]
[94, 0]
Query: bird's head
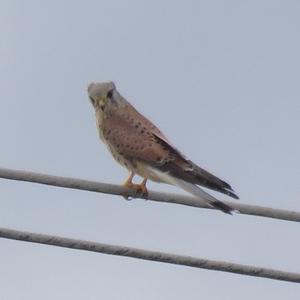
[103, 95]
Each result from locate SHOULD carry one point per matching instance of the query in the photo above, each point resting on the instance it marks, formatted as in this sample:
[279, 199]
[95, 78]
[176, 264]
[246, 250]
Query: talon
[140, 189]
[127, 198]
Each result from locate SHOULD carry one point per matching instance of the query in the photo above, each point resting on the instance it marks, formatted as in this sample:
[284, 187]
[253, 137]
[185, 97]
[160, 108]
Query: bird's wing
[181, 168]
[176, 170]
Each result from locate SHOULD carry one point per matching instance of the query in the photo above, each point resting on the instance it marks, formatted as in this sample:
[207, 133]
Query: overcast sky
[222, 81]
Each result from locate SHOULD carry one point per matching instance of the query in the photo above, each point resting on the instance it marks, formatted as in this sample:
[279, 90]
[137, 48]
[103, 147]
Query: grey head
[104, 96]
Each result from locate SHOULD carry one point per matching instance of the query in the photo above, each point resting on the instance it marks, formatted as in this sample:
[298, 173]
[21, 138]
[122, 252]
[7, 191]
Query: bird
[138, 145]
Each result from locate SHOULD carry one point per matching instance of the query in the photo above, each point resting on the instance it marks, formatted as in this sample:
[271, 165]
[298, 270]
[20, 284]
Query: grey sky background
[221, 79]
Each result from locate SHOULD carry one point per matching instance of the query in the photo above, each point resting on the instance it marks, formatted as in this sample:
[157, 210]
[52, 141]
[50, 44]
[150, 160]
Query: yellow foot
[140, 189]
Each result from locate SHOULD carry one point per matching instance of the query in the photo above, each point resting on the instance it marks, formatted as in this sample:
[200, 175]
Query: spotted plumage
[142, 148]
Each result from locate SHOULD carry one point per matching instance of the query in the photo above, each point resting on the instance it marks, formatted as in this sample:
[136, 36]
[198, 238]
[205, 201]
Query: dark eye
[110, 93]
[92, 100]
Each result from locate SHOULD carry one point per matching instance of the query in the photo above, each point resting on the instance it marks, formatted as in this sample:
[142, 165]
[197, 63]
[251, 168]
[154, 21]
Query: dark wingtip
[228, 190]
[223, 207]
[232, 194]
[226, 185]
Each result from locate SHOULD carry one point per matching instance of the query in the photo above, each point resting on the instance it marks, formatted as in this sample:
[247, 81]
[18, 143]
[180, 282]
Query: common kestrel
[143, 149]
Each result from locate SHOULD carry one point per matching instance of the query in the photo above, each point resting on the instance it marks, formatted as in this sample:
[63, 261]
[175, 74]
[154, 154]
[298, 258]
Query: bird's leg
[140, 189]
[128, 183]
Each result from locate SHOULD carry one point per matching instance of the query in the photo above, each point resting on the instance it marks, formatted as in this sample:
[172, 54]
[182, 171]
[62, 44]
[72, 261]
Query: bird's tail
[200, 193]
[194, 190]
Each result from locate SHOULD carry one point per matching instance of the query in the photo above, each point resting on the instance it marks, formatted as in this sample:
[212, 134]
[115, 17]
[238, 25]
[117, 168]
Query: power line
[141, 253]
[93, 186]
[149, 255]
